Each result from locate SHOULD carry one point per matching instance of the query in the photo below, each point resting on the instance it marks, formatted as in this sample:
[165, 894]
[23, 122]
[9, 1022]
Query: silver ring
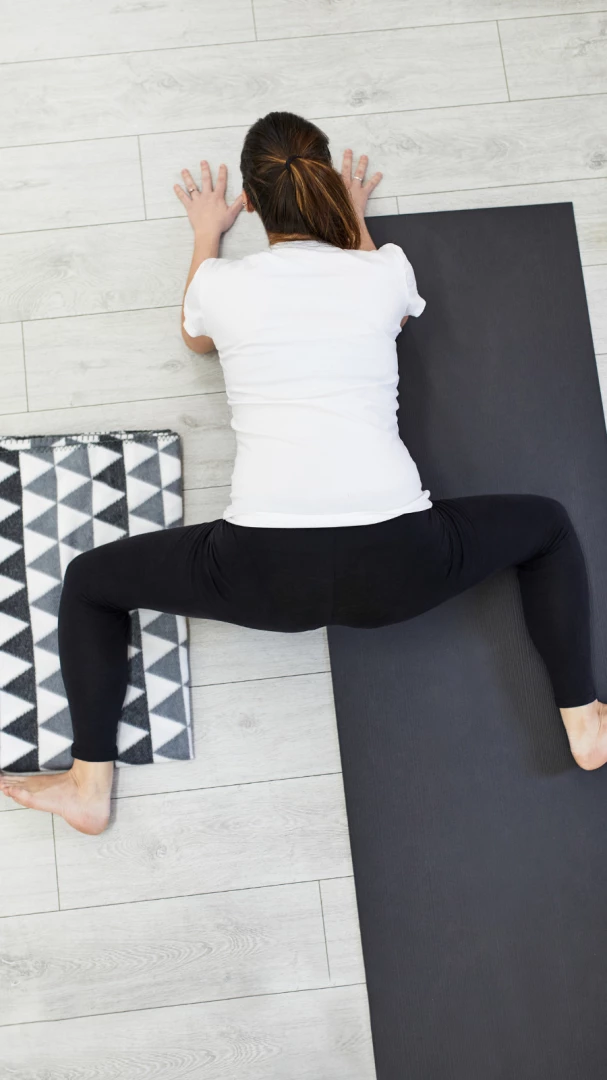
[191, 189]
[358, 178]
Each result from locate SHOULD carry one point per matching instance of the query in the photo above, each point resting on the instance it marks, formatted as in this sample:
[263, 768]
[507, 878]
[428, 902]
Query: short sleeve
[413, 303]
[196, 300]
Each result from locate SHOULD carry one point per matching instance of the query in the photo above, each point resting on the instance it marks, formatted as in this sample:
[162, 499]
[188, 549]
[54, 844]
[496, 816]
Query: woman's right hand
[358, 189]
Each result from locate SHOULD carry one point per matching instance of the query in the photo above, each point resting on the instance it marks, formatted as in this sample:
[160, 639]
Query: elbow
[198, 345]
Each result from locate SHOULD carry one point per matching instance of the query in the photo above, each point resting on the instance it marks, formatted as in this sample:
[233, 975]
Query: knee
[555, 509]
[555, 516]
[80, 575]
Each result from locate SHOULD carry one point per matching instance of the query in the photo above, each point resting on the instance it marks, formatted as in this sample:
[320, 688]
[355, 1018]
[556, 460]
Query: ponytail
[289, 177]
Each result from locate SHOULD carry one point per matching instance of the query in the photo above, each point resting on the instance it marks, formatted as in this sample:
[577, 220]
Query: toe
[19, 794]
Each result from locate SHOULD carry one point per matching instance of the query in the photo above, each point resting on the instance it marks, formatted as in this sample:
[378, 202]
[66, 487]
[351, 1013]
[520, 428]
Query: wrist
[207, 234]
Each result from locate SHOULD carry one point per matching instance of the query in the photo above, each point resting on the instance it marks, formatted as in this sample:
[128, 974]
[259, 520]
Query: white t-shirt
[305, 333]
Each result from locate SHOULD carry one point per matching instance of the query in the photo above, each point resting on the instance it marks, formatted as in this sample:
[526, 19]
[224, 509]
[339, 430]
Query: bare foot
[587, 731]
[81, 795]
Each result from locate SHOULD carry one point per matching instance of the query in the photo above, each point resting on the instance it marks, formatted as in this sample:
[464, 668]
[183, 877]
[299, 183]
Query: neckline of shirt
[302, 243]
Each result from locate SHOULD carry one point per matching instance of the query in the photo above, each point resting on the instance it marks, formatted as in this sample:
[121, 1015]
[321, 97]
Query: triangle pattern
[179, 748]
[163, 731]
[61, 762]
[11, 667]
[12, 707]
[163, 626]
[36, 544]
[16, 750]
[8, 586]
[173, 707]
[167, 667]
[59, 496]
[6, 470]
[138, 525]
[60, 723]
[32, 466]
[24, 727]
[128, 736]
[138, 753]
[101, 457]
[7, 548]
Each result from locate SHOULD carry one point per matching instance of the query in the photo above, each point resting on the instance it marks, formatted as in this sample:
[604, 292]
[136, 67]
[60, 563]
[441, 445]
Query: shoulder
[211, 274]
[393, 253]
[222, 269]
[400, 269]
[212, 268]
[391, 256]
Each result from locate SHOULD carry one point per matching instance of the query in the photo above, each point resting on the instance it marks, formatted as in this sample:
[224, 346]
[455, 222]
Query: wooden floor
[212, 931]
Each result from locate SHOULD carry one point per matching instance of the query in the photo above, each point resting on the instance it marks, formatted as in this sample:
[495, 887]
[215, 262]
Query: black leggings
[299, 579]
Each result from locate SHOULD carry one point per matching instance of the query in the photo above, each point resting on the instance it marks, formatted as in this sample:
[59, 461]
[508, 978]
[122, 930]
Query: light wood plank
[13, 395]
[87, 271]
[176, 89]
[127, 356]
[84, 271]
[292, 18]
[28, 882]
[67, 184]
[205, 841]
[205, 504]
[248, 732]
[523, 142]
[556, 56]
[342, 931]
[299, 1036]
[589, 198]
[381, 207]
[222, 652]
[35, 31]
[164, 952]
[202, 421]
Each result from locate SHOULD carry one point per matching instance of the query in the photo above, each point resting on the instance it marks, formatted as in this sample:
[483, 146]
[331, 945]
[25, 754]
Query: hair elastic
[291, 158]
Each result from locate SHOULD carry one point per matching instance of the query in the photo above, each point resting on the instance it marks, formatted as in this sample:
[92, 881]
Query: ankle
[92, 777]
[580, 718]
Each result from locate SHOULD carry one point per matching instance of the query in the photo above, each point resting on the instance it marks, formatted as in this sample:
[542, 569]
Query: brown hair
[289, 177]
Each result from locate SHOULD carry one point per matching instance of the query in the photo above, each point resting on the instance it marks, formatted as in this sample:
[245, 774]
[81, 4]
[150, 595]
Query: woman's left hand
[207, 208]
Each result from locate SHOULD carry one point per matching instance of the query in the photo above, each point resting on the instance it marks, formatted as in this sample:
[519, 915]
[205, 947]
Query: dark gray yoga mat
[479, 847]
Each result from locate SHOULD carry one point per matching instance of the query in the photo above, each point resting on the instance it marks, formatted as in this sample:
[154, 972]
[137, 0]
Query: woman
[328, 520]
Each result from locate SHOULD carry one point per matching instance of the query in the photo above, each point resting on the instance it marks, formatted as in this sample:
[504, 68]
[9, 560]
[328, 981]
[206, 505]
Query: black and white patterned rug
[60, 495]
